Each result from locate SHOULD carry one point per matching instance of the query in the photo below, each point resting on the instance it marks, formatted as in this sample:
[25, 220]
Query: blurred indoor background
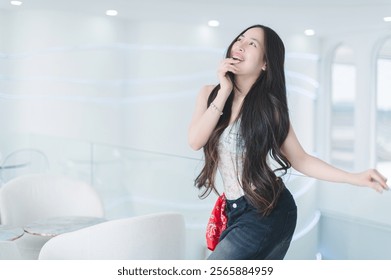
[106, 89]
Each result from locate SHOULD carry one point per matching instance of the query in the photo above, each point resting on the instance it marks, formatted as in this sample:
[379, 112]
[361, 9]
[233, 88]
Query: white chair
[33, 197]
[38, 196]
[148, 237]
[23, 161]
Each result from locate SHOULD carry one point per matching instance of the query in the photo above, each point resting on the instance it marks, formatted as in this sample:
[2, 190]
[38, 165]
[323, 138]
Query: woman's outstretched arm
[316, 168]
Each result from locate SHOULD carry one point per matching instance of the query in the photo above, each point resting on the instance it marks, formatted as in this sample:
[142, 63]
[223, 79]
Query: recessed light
[16, 3]
[213, 23]
[387, 19]
[111, 12]
[309, 32]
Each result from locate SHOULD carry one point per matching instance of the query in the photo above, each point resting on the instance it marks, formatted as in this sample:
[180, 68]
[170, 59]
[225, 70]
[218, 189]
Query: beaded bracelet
[216, 108]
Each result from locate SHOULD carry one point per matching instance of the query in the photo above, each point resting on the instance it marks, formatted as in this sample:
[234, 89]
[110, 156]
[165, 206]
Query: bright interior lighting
[387, 19]
[309, 32]
[213, 23]
[16, 3]
[111, 12]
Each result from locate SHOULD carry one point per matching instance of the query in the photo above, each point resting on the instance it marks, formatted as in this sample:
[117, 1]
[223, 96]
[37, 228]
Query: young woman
[243, 126]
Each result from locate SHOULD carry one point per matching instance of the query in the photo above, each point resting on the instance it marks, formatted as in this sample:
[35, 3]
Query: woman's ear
[264, 67]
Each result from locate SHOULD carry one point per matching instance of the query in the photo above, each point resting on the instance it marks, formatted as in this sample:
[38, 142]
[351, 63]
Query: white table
[57, 225]
[10, 233]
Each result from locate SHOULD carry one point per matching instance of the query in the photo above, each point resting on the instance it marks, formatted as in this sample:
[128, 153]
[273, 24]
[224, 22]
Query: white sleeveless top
[230, 165]
[230, 161]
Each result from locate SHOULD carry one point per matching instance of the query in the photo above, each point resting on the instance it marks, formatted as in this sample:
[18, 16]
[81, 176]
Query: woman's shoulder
[208, 87]
[206, 90]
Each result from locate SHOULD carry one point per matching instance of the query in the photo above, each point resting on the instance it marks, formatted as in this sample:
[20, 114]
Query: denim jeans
[249, 235]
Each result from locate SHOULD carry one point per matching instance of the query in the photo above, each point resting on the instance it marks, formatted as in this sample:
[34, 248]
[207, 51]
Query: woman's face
[249, 50]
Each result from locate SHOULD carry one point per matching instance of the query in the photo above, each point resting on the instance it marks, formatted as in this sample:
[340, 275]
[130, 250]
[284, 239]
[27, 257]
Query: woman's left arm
[316, 168]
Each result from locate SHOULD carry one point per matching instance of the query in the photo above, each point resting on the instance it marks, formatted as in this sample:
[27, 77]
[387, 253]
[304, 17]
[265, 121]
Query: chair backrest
[148, 237]
[38, 196]
[23, 161]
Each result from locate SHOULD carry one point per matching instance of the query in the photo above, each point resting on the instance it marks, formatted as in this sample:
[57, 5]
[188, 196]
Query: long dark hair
[264, 125]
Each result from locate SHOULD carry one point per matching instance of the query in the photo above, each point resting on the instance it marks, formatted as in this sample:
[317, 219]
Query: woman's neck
[244, 85]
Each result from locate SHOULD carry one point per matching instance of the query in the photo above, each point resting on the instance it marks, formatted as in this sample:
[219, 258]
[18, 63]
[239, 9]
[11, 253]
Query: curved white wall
[362, 207]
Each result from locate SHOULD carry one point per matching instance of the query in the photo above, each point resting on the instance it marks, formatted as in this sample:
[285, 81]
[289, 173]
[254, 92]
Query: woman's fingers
[377, 180]
[229, 65]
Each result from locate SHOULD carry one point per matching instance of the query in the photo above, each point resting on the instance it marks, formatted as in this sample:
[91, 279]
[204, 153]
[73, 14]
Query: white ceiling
[326, 17]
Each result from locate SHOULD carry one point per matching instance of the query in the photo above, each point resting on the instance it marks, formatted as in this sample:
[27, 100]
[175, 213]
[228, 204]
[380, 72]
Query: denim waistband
[235, 208]
[237, 204]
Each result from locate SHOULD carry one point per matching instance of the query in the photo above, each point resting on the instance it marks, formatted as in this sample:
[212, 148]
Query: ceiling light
[387, 19]
[309, 32]
[111, 12]
[213, 23]
[16, 3]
